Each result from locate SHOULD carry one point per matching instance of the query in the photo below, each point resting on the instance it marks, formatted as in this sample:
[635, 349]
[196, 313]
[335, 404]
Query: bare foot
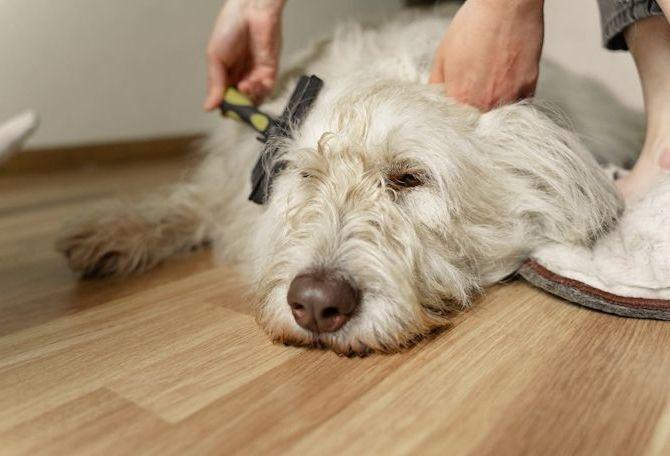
[652, 166]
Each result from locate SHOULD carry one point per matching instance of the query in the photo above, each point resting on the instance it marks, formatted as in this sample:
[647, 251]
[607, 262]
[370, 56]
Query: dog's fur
[484, 190]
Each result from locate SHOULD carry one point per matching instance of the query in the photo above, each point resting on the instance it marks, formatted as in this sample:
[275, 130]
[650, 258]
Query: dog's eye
[405, 180]
[305, 174]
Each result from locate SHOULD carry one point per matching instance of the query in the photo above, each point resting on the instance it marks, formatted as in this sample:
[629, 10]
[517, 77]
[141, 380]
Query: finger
[248, 89]
[259, 82]
[253, 90]
[216, 84]
[528, 90]
[265, 46]
[437, 72]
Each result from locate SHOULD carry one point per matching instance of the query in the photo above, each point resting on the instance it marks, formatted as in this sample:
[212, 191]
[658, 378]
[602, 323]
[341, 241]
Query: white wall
[572, 37]
[100, 70]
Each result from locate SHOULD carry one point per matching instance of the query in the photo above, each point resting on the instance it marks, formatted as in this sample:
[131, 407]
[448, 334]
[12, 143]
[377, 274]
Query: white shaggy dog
[396, 204]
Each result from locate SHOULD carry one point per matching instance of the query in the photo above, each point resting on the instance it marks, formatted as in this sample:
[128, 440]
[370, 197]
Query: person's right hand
[490, 54]
[244, 49]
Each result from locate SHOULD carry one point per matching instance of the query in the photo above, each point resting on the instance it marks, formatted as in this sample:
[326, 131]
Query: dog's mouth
[280, 322]
[350, 341]
[351, 347]
[326, 341]
[324, 310]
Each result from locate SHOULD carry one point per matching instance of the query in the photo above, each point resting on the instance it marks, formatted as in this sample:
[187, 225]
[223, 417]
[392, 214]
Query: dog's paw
[105, 245]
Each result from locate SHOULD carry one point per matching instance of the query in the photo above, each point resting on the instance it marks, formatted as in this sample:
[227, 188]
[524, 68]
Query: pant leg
[617, 15]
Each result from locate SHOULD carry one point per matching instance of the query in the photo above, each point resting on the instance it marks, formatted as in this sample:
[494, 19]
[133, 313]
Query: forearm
[275, 6]
[268, 3]
[515, 6]
[251, 8]
[513, 14]
[665, 6]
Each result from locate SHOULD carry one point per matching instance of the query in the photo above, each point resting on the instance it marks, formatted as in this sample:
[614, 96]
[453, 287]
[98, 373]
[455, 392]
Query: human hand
[490, 53]
[244, 49]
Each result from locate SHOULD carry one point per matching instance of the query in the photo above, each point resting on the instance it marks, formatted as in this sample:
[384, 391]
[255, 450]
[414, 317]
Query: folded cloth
[14, 132]
[626, 272]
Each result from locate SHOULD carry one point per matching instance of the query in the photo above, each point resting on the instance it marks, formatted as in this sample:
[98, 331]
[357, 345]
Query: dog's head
[396, 204]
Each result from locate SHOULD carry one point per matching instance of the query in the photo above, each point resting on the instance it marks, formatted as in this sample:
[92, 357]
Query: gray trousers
[616, 15]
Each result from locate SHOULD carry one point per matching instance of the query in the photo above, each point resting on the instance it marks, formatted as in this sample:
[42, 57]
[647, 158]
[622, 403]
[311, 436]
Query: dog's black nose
[321, 303]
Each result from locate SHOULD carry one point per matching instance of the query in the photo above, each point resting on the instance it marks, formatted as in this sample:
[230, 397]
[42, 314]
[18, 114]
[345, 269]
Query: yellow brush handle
[236, 105]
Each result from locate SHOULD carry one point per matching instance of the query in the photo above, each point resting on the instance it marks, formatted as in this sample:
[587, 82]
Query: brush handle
[236, 105]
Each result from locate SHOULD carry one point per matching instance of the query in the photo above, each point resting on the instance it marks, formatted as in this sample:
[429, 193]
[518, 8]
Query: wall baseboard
[57, 158]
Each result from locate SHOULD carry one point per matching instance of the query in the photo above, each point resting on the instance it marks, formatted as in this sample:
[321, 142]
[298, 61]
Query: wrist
[514, 6]
[271, 7]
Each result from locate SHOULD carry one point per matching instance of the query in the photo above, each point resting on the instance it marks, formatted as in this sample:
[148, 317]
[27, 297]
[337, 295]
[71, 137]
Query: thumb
[260, 82]
[436, 73]
[216, 83]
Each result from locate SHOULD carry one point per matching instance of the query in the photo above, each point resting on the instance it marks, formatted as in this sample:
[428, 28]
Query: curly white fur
[494, 187]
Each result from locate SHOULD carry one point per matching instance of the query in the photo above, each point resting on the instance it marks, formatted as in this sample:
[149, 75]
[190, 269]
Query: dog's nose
[320, 303]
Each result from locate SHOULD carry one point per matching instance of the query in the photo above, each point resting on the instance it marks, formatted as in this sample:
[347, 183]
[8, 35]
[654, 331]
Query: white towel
[633, 260]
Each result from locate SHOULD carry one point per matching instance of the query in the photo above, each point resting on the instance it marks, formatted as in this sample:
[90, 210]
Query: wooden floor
[172, 362]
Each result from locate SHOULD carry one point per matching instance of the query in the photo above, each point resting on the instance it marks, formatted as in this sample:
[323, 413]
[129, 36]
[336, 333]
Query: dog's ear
[560, 189]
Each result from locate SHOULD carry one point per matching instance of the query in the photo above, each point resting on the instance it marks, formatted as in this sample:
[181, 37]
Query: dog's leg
[123, 239]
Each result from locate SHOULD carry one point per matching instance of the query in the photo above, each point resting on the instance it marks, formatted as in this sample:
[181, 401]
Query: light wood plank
[95, 423]
[172, 362]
